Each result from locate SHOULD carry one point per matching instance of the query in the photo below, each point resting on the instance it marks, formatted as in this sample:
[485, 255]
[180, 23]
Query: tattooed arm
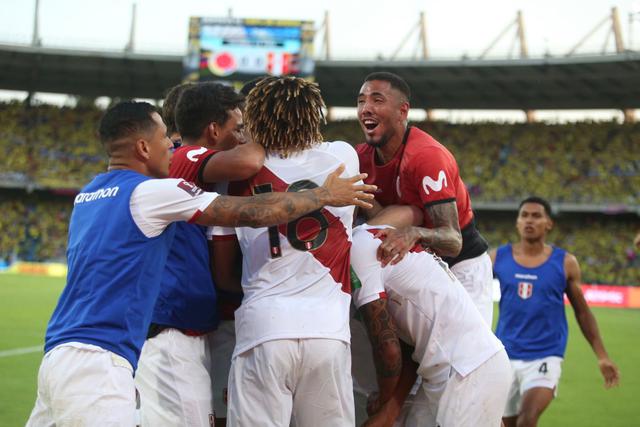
[384, 414]
[444, 238]
[385, 345]
[278, 208]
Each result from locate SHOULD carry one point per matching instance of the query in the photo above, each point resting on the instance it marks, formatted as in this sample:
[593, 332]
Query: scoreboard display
[238, 49]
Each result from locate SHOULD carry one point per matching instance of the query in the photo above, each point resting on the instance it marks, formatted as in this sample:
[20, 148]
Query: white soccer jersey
[295, 276]
[432, 311]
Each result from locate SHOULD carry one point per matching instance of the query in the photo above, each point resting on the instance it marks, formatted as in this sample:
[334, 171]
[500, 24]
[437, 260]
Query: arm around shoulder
[264, 210]
[241, 162]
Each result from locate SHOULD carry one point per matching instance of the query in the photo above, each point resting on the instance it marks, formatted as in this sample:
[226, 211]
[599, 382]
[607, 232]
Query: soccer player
[410, 167]
[119, 235]
[534, 276]
[464, 368]
[174, 371]
[291, 363]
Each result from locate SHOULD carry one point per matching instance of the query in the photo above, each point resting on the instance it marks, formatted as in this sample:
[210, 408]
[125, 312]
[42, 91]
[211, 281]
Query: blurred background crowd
[47, 148]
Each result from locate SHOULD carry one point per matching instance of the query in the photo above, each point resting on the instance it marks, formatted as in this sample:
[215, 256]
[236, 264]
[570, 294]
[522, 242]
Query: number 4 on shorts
[543, 368]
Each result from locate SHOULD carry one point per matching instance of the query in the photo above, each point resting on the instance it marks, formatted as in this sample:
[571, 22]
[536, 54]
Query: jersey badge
[525, 290]
[435, 185]
[192, 189]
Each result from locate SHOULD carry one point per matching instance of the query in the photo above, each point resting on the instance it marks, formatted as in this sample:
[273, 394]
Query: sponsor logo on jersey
[525, 290]
[526, 276]
[102, 193]
[193, 154]
[435, 185]
[191, 189]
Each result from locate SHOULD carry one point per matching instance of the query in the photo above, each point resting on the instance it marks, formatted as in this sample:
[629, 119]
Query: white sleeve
[156, 203]
[349, 157]
[218, 232]
[366, 267]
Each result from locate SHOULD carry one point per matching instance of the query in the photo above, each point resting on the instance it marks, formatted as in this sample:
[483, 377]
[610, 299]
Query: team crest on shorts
[525, 289]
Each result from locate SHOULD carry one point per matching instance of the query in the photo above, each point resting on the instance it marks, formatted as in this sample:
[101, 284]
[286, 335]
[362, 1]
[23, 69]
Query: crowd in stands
[583, 163]
[588, 163]
[49, 146]
[34, 226]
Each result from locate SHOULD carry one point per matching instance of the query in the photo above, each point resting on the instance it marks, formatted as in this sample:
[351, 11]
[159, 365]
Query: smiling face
[382, 113]
[533, 223]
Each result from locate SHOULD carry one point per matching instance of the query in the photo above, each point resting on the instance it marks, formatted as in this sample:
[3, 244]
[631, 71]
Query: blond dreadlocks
[283, 114]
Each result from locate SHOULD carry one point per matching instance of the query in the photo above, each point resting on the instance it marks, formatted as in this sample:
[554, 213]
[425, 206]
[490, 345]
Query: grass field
[26, 303]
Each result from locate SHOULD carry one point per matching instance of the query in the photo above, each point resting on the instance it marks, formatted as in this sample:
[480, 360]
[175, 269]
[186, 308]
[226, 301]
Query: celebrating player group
[214, 266]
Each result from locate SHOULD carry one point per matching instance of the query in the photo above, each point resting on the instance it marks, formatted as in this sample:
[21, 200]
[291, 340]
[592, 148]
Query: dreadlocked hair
[283, 114]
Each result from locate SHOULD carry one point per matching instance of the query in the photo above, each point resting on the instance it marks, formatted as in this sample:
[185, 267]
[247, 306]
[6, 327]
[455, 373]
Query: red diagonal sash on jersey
[321, 233]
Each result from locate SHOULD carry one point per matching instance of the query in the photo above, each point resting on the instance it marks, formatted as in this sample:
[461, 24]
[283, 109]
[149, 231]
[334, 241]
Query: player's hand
[345, 191]
[609, 371]
[636, 241]
[396, 244]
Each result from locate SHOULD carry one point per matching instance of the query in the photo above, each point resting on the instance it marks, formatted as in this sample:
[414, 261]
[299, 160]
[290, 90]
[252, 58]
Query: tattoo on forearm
[384, 339]
[445, 237]
[265, 209]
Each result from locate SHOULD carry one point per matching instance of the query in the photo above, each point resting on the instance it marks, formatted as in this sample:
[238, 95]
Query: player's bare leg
[534, 402]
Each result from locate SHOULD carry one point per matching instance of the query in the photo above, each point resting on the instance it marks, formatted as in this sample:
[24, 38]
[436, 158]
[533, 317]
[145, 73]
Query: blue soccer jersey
[187, 298]
[532, 322]
[116, 252]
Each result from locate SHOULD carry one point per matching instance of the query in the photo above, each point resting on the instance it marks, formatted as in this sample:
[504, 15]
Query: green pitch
[26, 302]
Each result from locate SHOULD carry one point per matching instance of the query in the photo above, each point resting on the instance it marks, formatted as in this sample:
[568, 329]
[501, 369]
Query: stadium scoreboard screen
[238, 49]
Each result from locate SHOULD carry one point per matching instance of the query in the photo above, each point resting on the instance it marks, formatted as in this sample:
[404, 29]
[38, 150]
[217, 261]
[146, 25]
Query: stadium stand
[595, 164]
[589, 162]
[34, 226]
[50, 146]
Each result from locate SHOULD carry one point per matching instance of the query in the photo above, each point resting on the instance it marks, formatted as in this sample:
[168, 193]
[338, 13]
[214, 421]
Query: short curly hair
[284, 114]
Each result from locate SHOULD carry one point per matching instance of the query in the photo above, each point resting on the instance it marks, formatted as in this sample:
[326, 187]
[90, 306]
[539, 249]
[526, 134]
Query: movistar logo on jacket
[434, 185]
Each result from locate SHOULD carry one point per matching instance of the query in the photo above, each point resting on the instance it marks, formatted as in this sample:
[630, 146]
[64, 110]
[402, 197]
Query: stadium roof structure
[583, 82]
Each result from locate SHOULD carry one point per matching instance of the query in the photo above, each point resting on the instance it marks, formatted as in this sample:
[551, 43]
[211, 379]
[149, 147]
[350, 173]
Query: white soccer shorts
[221, 343]
[476, 276]
[528, 374]
[174, 380]
[476, 400]
[84, 385]
[298, 382]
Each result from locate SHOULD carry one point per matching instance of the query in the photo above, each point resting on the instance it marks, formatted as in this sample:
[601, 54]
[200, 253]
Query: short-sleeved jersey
[295, 276]
[188, 162]
[424, 173]
[187, 298]
[532, 323]
[119, 238]
[431, 309]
